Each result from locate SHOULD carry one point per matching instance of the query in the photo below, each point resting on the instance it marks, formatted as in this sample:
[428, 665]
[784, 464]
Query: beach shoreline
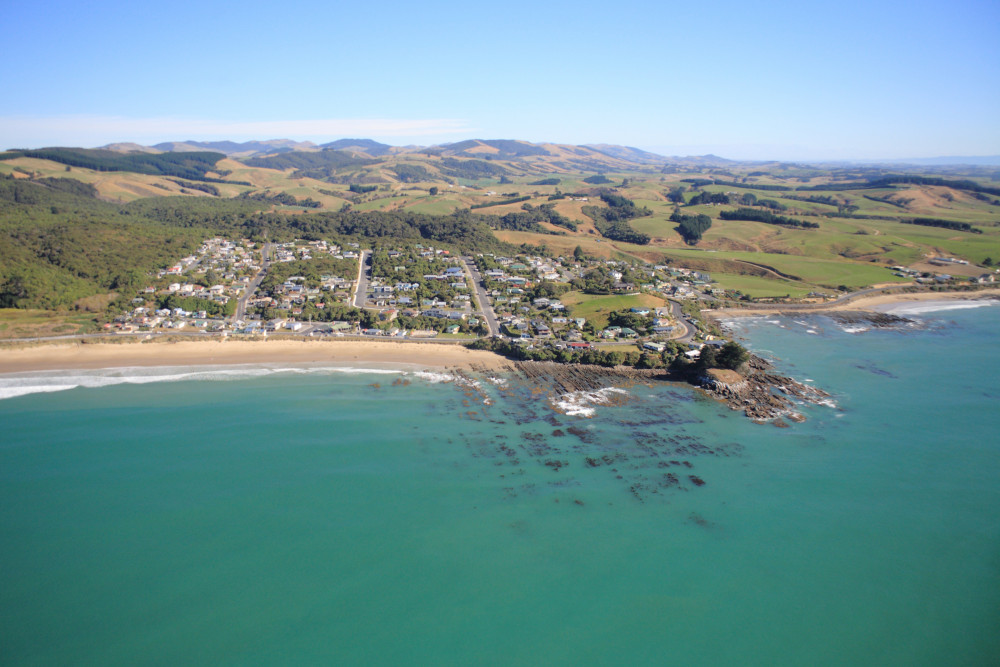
[79, 355]
[876, 303]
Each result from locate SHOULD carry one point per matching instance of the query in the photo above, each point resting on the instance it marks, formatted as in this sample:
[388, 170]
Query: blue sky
[782, 80]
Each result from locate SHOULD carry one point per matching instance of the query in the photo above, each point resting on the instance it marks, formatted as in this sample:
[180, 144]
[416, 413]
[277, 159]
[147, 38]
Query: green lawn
[595, 308]
[759, 287]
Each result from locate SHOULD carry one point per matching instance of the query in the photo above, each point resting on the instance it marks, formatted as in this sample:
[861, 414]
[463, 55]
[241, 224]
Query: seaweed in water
[872, 368]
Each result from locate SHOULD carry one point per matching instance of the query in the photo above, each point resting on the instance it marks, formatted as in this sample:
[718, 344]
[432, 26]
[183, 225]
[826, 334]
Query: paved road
[364, 279]
[689, 330]
[251, 289]
[484, 303]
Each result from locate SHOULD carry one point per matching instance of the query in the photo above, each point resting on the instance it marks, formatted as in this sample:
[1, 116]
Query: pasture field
[596, 308]
[758, 287]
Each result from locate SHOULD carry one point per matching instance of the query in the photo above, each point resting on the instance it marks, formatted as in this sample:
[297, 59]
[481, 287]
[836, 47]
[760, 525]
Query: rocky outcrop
[863, 317]
[760, 394]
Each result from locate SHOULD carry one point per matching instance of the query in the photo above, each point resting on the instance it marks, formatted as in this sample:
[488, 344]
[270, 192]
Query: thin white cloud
[29, 132]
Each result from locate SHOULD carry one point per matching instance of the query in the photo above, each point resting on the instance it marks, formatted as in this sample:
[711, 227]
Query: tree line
[767, 217]
[191, 165]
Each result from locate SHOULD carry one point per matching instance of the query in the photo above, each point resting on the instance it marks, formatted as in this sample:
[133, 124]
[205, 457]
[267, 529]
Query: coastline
[93, 356]
[876, 303]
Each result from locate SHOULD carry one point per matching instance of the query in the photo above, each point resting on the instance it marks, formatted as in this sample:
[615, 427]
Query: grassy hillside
[863, 217]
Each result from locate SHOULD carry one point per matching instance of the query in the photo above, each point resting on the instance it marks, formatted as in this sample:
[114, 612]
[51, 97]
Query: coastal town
[415, 291]
[320, 289]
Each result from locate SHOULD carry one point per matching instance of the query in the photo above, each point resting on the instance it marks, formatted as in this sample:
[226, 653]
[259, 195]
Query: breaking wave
[21, 384]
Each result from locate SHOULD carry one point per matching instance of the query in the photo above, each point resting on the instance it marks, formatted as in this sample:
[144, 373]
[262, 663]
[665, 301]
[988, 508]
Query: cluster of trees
[945, 224]
[282, 198]
[201, 187]
[599, 280]
[705, 197]
[593, 356]
[691, 227]
[59, 244]
[412, 173]
[971, 186]
[750, 186]
[362, 189]
[843, 207]
[612, 222]
[501, 202]
[546, 181]
[766, 217]
[528, 217]
[745, 199]
[597, 179]
[69, 185]
[192, 166]
[730, 356]
[641, 324]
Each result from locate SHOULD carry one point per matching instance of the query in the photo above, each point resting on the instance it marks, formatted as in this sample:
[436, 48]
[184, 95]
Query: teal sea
[310, 516]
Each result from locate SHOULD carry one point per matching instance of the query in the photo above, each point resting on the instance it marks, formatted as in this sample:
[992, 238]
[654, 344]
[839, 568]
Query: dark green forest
[612, 222]
[691, 227]
[192, 166]
[320, 165]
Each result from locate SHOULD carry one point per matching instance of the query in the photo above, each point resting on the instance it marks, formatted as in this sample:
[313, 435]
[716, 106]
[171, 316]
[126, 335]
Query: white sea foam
[11, 392]
[581, 403]
[852, 330]
[812, 331]
[434, 378]
[933, 307]
[22, 384]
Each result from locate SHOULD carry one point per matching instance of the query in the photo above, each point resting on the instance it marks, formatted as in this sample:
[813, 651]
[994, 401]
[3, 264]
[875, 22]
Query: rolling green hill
[84, 226]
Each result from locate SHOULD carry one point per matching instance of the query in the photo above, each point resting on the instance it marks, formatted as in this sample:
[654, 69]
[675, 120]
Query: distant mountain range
[589, 156]
[593, 156]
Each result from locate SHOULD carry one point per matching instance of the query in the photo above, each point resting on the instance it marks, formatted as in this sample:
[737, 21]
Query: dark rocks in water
[697, 481]
[559, 433]
[699, 520]
[863, 317]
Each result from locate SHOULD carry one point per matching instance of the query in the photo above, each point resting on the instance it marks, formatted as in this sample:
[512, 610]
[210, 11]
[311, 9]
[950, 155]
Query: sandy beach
[874, 303]
[96, 355]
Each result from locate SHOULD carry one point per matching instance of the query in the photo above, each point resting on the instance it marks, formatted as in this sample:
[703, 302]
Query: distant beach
[874, 303]
[91, 355]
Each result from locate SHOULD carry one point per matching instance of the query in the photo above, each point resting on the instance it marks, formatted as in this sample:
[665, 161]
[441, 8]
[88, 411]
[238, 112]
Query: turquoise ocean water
[307, 516]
